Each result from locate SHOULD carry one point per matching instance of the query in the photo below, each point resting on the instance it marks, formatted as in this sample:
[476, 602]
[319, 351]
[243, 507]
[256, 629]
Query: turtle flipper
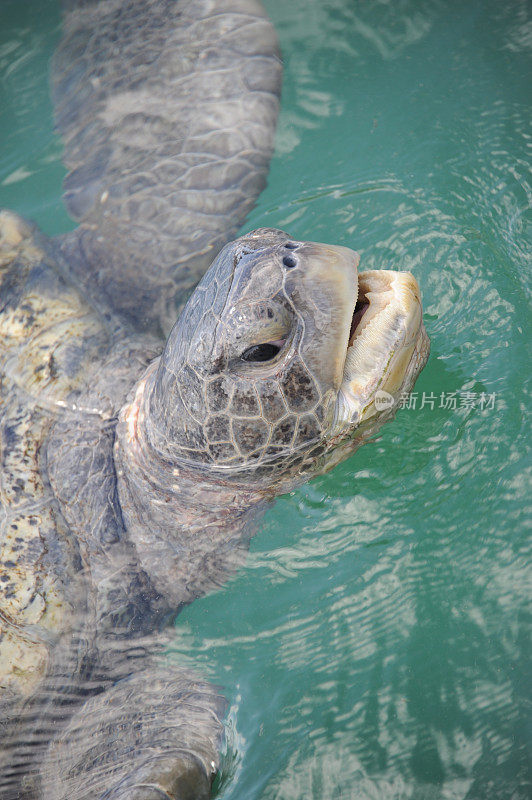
[168, 112]
[153, 734]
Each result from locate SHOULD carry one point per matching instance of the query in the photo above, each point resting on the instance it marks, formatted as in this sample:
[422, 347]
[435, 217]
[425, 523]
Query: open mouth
[361, 307]
[385, 300]
[385, 327]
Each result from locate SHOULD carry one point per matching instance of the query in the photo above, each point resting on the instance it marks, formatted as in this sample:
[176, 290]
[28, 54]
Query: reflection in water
[375, 644]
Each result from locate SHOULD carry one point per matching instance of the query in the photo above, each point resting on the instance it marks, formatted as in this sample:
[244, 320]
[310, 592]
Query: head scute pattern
[234, 388]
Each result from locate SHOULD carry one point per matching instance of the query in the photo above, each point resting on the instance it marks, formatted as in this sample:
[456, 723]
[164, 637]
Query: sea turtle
[133, 471]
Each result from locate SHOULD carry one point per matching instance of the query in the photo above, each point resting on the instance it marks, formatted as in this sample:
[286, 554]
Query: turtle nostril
[289, 261]
[290, 245]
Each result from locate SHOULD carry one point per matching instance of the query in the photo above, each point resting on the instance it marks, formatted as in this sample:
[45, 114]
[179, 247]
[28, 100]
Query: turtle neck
[190, 533]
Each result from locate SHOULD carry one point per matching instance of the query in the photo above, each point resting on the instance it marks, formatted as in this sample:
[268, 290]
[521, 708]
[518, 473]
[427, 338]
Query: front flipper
[155, 734]
[168, 112]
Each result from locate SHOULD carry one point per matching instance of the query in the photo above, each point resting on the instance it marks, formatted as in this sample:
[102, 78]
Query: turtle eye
[260, 352]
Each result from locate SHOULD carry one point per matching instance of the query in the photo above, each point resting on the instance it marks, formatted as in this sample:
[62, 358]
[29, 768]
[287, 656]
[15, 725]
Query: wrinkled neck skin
[191, 534]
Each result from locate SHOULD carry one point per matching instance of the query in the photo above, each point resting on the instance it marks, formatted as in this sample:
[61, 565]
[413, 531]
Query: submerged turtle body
[45, 329]
[135, 471]
[74, 599]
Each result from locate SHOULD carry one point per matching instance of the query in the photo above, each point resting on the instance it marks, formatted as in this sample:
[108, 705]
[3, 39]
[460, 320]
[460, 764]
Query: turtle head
[271, 372]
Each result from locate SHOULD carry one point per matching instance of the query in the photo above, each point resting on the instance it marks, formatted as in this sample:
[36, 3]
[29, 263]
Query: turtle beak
[386, 335]
[327, 288]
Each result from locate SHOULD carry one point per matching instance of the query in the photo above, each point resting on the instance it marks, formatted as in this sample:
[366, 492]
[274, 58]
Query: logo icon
[383, 400]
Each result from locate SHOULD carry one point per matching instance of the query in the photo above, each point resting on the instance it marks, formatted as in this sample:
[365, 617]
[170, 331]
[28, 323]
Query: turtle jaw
[327, 287]
[386, 349]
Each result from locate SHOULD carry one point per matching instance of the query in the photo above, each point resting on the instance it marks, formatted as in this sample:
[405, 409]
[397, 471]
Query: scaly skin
[167, 111]
[75, 606]
[149, 512]
[133, 472]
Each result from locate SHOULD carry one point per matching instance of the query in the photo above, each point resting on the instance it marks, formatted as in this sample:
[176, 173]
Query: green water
[375, 644]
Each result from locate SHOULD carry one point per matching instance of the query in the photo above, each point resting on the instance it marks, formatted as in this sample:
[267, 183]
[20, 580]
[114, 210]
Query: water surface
[375, 644]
